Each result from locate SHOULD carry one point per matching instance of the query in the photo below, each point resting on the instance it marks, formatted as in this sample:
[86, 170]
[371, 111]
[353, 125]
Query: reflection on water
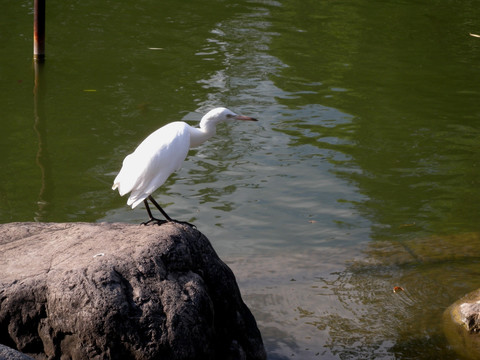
[361, 175]
[42, 158]
[308, 306]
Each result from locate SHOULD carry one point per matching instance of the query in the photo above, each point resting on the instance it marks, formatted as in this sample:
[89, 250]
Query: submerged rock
[462, 325]
[119, 291]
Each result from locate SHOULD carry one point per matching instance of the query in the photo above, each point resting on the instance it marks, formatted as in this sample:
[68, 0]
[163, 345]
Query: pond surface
[361, 175]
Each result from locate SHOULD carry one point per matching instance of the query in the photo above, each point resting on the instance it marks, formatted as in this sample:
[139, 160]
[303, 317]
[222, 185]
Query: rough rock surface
[470, 315]
[120, 291]
[462, 325]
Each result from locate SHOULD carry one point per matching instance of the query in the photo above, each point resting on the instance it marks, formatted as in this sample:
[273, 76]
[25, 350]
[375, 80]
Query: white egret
[162, 153]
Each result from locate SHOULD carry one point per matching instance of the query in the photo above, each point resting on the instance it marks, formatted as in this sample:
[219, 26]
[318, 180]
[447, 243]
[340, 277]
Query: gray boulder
[120, 291]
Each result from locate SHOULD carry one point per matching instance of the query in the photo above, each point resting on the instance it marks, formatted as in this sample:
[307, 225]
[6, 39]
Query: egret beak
[245, 118]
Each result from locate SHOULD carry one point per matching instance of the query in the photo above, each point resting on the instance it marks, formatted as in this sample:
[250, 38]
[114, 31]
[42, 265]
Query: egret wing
[156, 158]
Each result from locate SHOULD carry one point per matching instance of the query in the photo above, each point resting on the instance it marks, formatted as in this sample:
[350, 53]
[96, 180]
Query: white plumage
[152, 162]
[162, 153]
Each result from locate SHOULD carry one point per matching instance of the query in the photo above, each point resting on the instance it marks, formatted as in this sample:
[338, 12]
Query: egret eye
[230, 115]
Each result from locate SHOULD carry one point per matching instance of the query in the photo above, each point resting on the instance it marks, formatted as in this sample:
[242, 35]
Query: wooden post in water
[39, 30]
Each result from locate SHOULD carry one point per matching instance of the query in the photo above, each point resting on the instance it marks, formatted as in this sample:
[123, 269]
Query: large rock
[119, 291]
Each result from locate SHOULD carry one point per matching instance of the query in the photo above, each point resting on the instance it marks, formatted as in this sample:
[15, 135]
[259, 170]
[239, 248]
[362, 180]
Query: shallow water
[361, 175]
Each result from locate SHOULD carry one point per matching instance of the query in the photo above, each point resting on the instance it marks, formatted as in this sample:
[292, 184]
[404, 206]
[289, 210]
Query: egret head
[220, 114]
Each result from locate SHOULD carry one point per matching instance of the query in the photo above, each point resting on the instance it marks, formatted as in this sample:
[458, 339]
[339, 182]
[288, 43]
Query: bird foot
[160, 222]
[154, 221]
[184, 223]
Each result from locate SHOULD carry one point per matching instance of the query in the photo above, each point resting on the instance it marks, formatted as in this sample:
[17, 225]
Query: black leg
[148, 209]
[159, 208]
[152, 219]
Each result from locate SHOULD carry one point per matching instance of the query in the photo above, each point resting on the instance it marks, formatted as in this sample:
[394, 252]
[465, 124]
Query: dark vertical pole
[39, 113]
[39, 30]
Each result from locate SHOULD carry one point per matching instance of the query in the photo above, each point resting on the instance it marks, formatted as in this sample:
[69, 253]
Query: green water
[361, 175]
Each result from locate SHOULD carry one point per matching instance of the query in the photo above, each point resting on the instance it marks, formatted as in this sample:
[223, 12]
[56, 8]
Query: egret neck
[199, 135]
